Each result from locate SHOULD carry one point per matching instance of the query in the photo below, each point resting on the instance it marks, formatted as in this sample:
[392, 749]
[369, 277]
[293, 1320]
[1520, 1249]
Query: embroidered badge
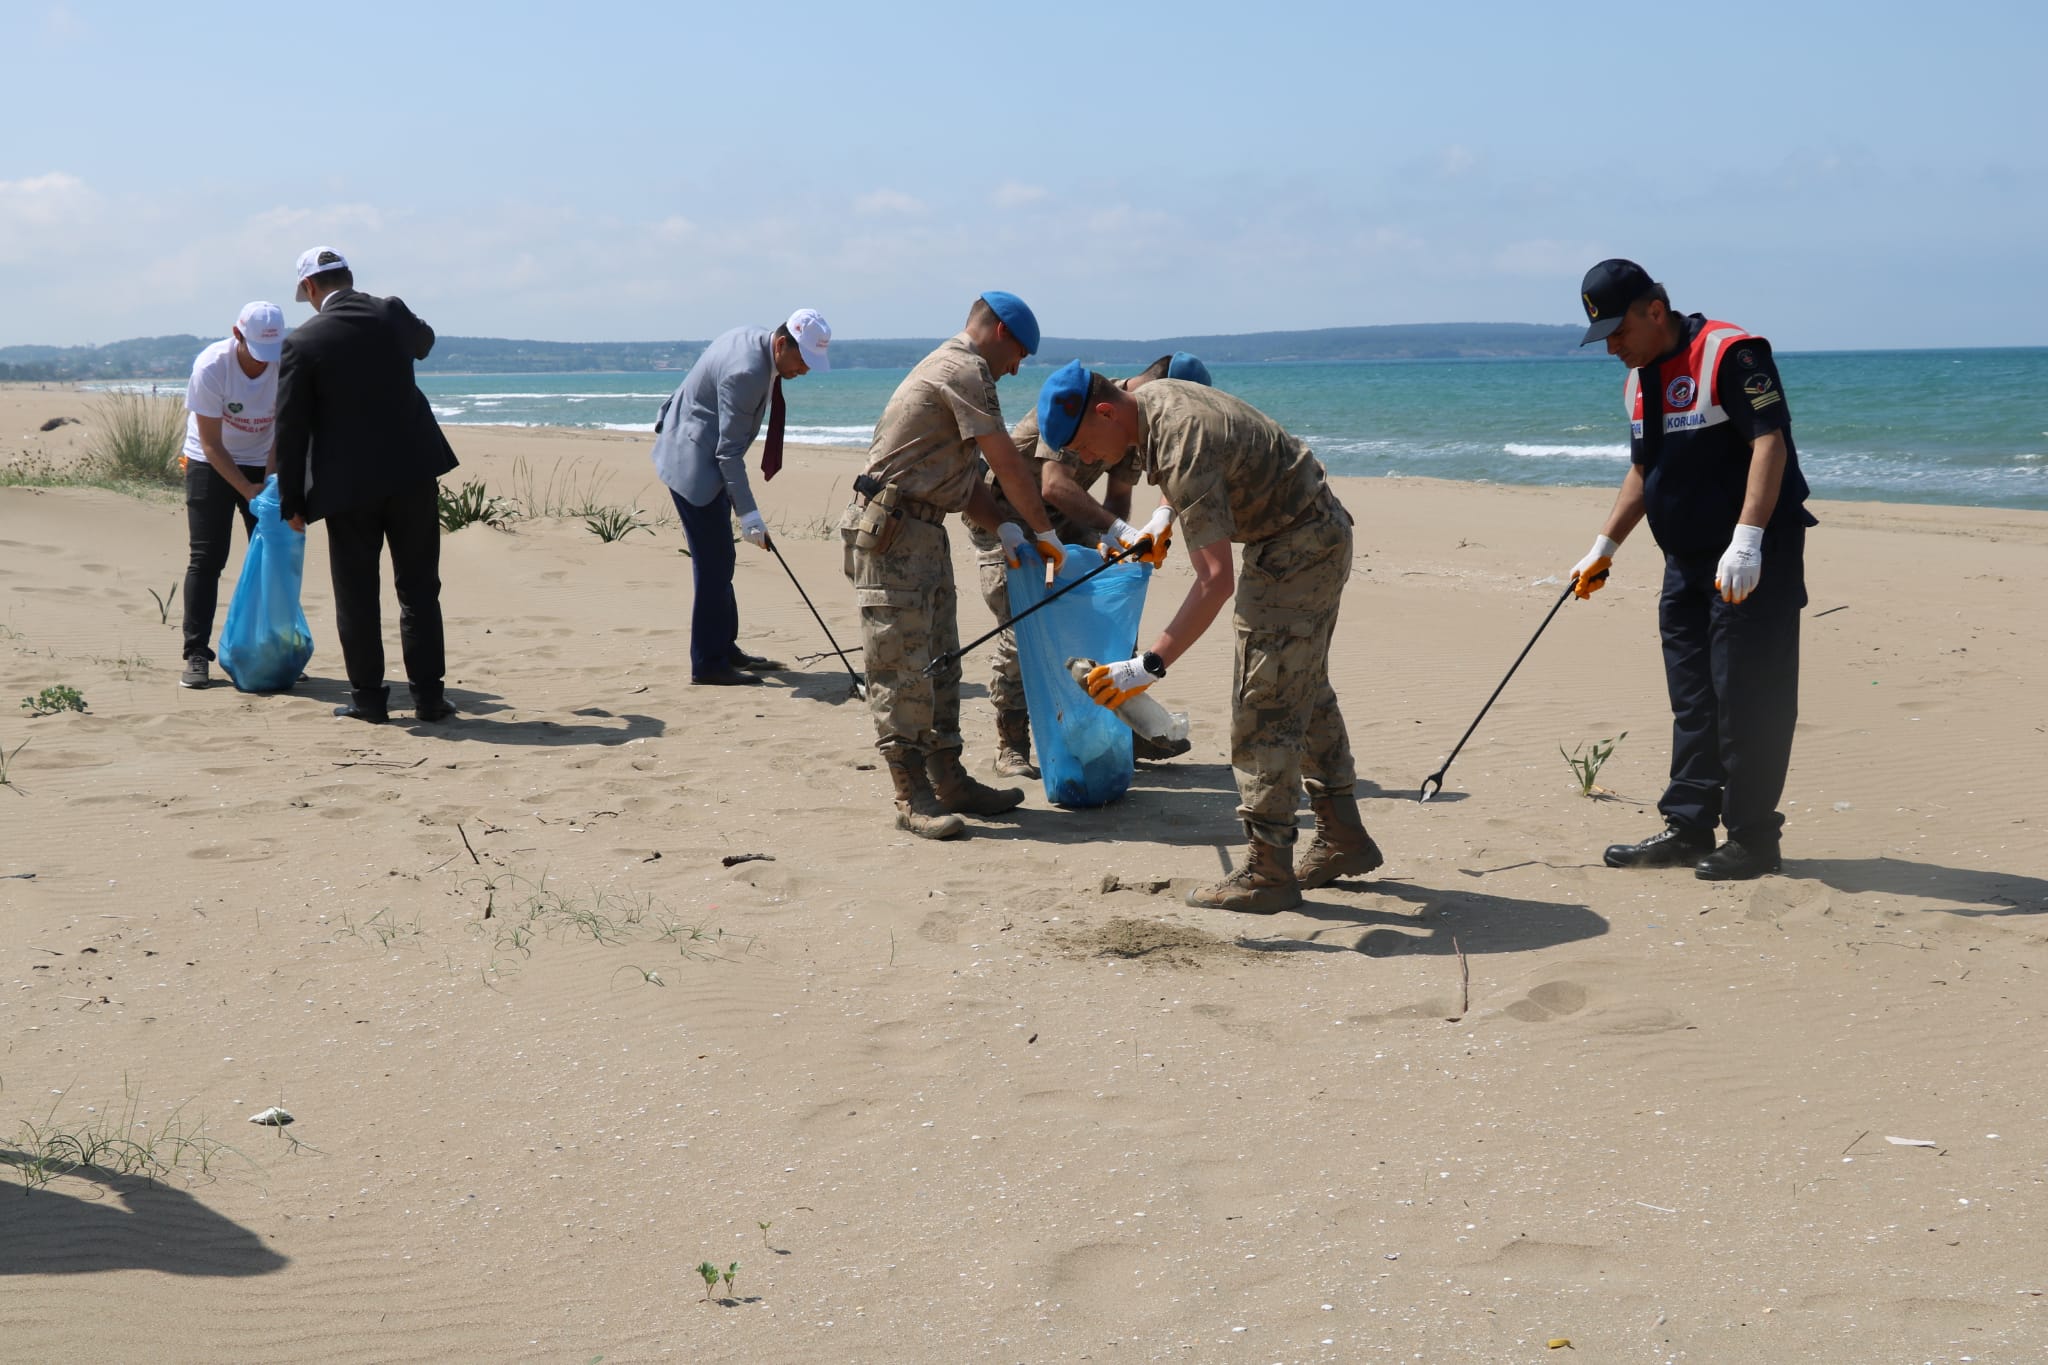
[1756, 384]
[1679, 393]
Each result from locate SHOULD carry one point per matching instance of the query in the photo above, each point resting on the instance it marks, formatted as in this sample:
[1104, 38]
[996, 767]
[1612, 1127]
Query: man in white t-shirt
[230, 405]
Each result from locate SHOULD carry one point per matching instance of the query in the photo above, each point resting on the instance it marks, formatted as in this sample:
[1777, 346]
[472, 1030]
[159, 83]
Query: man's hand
[1051, 551]
[754, 530]
[1112, 685]
[1742, 564]
[1012, 536]
[1121, 535]
[1160, 528]
[297, 524]
[1589, 575]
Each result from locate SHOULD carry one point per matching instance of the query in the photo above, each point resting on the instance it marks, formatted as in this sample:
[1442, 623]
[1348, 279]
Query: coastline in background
[1958, 427]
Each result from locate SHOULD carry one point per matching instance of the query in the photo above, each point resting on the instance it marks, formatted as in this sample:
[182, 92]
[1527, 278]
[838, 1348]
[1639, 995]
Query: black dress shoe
[433, 710]
[354, 712]
[1668, 847]
[1733, 862]
[724, 677]
[742, 659]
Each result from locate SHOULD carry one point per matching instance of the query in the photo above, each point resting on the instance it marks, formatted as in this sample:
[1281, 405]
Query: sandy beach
[547, 1052]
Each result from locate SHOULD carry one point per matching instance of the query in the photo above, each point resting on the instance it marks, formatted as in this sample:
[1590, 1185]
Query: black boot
[1733, 862]
[1668, 847]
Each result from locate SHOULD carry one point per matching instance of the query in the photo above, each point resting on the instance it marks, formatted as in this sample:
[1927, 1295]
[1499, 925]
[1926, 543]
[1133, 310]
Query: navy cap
[1607, 291]
[1190, 368]
[1062, 403]
[1016, 316]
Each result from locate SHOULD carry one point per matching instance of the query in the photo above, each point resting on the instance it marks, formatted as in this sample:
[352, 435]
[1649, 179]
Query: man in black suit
[358, 446]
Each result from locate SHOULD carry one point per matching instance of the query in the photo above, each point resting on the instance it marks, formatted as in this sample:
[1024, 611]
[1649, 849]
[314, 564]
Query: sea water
[1966, 426]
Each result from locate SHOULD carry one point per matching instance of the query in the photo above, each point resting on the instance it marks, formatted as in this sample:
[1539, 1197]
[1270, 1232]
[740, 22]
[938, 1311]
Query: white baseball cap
[262, 329]
[315, 261]
[813, 334]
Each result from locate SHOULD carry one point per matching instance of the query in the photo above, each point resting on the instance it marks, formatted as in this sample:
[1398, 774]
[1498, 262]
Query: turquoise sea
[1965, 427]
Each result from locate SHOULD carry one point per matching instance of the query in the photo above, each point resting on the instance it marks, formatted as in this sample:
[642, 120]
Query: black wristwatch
[1154, 665]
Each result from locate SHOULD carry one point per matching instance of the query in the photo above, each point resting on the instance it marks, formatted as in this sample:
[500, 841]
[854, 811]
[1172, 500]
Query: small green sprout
[1587, 768]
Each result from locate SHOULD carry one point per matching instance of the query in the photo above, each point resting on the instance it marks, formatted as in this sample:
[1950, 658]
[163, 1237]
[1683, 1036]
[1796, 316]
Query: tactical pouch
[880, 522]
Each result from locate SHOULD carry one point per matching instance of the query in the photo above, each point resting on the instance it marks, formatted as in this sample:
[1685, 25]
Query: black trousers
[409, 521]
[210, 507]
[1733, 675]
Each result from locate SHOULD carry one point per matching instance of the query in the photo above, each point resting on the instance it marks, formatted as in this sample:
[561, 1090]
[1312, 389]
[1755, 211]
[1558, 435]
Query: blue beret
[1016, 316]
[1062, 403]
[1190, 368]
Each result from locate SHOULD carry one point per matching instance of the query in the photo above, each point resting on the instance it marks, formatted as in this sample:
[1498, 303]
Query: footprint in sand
[1773, 899]
[1550, 1001]
[1221, 1015]
[942, 926]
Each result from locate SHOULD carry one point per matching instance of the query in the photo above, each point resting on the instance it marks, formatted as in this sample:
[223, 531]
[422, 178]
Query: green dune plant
[1586, 763]
[615, 523]
[136, 438]
[470, 504]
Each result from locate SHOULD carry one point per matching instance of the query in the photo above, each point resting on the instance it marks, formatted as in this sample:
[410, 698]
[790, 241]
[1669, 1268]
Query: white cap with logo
[261, 327]
[813, 334]
[314, 262]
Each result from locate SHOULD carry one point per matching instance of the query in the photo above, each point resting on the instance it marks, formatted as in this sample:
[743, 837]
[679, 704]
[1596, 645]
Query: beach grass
[572, 492]
[136, 439]
[113, 1141]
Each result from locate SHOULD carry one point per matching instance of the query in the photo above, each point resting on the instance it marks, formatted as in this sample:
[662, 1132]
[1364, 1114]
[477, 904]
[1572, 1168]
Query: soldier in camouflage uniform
[1233, 475]
[923, 461]
[1065, 483]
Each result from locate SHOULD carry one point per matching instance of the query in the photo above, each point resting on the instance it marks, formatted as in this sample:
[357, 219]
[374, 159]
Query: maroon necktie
[771, 451]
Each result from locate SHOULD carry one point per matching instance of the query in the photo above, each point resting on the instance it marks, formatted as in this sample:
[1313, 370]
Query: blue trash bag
[1084, 750]
[265, 642]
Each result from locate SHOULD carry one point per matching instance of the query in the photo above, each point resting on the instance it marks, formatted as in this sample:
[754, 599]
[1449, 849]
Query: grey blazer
[713, 416]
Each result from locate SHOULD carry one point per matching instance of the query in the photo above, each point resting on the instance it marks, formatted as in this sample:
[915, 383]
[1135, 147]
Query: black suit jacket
[352, 425]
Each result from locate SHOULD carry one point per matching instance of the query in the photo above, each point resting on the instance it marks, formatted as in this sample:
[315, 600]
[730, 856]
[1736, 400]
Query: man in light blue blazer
[700, 451]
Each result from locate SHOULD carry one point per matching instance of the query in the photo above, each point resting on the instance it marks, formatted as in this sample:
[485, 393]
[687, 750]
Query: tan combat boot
[1013, 744]
[1341, 846]
[1265, 885]
[959, 792]
[917, 808]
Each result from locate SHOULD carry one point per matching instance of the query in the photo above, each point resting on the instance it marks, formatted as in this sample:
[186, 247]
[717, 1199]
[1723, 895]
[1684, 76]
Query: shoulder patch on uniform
[1756, 384]
[1745, 357]
[1679, 393]
[1764, 400]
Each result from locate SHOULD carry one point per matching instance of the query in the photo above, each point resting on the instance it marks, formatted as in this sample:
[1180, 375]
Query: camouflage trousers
[908, 616]
[1006, 685]
[1284, 721]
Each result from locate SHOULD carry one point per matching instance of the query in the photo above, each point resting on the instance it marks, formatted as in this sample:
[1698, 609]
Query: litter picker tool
[858, 689]
[1434, 783]
[1141, 545]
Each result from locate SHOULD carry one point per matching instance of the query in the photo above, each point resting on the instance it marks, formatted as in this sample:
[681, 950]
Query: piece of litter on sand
[735, 859]
[1151, 886]
[273, 1117]
[1911, 1142]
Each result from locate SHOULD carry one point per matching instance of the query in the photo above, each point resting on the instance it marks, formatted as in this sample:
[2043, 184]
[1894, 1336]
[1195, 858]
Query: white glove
[1742, 564]
[1589, 575]
[1161, 519]
[1014, 540]
[754, 530]
[1122, 532]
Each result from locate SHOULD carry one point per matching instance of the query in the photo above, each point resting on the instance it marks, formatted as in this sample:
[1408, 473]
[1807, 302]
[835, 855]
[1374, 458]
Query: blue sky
[1831, 175]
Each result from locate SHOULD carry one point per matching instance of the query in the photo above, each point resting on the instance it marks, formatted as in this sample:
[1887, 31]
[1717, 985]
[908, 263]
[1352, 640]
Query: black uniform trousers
[1733, 674]
[410, 521]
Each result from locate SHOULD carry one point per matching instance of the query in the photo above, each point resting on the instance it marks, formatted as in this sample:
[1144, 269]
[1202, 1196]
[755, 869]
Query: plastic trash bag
[265, 642]
[1084, 750]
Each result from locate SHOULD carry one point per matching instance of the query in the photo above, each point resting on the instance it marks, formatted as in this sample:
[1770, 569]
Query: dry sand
[987, 1110]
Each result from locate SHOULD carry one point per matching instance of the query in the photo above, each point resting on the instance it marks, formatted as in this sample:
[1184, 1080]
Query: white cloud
[1012, 194]
[877, 203]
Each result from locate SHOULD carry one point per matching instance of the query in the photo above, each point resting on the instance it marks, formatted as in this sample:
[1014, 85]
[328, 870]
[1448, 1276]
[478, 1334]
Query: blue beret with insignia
[1062, 403]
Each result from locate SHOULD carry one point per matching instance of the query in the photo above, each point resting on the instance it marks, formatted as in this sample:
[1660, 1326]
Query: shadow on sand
[132, 1227]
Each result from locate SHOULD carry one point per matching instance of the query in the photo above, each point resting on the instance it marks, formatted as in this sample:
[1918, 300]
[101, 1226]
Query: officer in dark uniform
[1712, 465]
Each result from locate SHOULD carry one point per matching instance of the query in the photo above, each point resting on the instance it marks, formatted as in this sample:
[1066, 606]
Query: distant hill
[170, 358]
